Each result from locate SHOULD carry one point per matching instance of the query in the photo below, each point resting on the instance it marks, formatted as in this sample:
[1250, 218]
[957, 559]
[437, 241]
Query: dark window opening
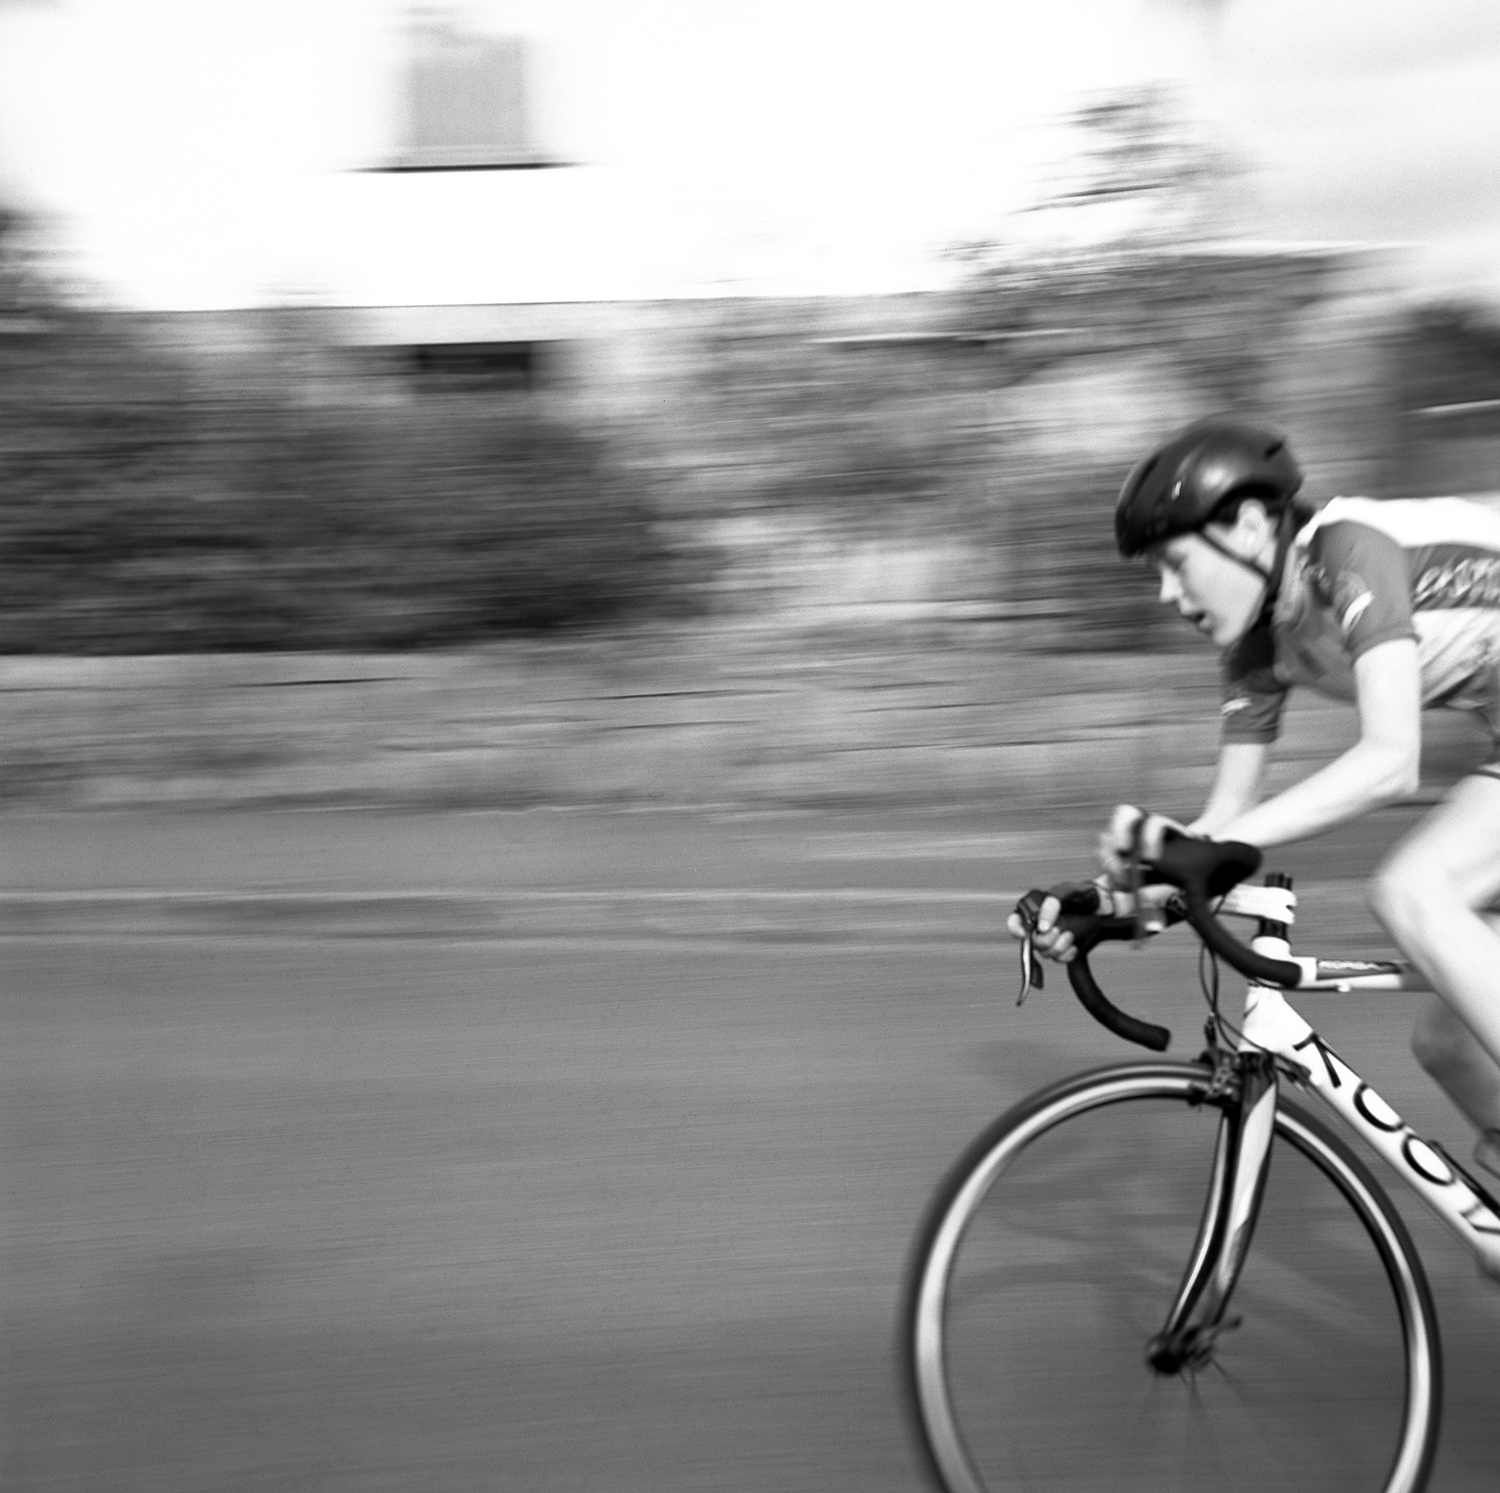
[474, 365]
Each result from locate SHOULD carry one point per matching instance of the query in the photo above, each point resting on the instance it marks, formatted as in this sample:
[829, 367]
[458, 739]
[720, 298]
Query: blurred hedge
[142, 510]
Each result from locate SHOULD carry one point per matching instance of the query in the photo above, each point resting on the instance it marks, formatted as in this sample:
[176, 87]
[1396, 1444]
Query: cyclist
[1391, 605]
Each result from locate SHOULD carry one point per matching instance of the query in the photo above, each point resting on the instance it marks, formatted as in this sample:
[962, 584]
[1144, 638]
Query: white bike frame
[1270, 1025]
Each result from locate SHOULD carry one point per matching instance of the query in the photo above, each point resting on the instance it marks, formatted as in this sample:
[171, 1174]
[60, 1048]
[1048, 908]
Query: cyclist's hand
[1036, 914]
[1155, 902]
[1134, 834]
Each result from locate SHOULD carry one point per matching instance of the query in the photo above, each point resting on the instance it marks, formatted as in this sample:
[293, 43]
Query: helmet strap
[1270, 579]
[1229, 554]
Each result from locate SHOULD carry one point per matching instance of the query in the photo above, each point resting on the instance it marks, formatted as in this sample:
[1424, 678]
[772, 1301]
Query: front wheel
[1052, 1253]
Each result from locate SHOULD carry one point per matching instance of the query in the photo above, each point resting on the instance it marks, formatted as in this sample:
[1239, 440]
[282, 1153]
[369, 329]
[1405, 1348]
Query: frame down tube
[1463, 1204]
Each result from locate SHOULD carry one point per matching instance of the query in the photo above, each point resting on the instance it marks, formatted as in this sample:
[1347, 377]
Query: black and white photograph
[749, 748]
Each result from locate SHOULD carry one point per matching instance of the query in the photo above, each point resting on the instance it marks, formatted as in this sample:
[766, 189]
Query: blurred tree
[20, 291]
[1446, 356]
[1138, 153]
[1451, 355]
[1131, 256]
[1123, 258]
[147, 506]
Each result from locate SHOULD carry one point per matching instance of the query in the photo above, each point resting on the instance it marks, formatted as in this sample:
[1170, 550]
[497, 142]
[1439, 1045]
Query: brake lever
[1031, 967]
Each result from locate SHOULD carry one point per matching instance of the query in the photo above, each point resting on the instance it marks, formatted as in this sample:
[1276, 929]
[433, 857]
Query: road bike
[1170, 1274]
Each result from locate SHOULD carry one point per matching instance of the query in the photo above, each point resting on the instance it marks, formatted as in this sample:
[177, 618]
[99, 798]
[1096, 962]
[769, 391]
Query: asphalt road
[401, 1213]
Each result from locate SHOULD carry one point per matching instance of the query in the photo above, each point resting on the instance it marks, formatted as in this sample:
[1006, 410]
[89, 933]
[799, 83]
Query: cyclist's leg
[1427, 895]
[1449, 1051]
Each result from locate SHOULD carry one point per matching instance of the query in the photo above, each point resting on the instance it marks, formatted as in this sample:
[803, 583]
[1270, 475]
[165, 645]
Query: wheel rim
[942, 1419]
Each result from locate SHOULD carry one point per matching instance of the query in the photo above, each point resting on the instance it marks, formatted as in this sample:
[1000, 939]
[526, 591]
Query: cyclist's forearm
[1223, 808]
[1219, 812]
[1365, 777]
[1236, 788]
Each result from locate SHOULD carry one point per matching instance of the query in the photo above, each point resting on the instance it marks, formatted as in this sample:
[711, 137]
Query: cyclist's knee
[1400, 894]
[1440, 1042]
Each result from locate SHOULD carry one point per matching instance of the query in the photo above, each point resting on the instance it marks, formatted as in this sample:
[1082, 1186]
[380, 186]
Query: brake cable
[1133, 880]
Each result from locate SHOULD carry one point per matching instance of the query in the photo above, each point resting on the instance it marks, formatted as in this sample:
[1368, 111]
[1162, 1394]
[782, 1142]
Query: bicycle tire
[1079, 1208]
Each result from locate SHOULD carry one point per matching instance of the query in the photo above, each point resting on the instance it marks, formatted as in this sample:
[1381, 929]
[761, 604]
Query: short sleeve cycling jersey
[1361, 573]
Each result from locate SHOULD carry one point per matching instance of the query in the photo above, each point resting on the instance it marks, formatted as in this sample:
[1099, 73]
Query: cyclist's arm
[1382, 766]
[1236, 787]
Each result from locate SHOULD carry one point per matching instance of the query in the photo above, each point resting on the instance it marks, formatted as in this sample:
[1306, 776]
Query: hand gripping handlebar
[1204, 870]
[1079, 914]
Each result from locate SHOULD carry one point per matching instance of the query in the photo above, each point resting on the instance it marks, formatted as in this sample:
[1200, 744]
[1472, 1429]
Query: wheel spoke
[1049, 1263]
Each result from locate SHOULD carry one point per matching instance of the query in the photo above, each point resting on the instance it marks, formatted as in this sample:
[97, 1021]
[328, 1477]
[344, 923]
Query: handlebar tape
[1090, 928]
[1106, 1013]
[1204, 870]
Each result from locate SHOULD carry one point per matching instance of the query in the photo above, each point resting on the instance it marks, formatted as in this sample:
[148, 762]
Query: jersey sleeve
[1253, 695]
[1360, 574]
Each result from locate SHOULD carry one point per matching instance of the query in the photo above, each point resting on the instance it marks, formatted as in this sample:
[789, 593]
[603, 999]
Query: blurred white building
[198, 156]
[486, 184]
[518, 191]
[371, 152]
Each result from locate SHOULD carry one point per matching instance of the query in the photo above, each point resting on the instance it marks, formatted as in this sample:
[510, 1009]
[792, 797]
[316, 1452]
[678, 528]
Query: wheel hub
[1187, 1350]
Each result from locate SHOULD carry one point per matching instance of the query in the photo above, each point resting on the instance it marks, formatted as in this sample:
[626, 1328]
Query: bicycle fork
[1237, 1182]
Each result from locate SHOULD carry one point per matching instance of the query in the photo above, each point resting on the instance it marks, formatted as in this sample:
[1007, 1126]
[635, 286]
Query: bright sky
[198, 154]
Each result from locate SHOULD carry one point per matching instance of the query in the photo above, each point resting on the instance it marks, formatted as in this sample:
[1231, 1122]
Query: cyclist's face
[1221, 599]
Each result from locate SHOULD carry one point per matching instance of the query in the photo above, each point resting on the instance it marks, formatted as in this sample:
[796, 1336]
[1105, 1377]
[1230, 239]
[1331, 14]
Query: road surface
[416, 1212]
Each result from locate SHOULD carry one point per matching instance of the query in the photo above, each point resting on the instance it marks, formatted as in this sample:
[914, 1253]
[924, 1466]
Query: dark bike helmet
[1178, 487]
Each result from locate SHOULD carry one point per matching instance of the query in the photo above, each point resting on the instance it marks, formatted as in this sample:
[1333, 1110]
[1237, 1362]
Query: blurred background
[555, 573]
[739, 342]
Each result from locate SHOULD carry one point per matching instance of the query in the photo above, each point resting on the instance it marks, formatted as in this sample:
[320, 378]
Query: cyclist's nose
[1171, 588]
